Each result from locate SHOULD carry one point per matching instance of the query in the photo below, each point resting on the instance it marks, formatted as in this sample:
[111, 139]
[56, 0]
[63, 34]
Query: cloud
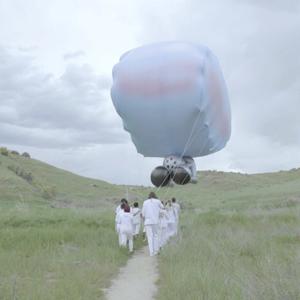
[73, 55]
[37, 109]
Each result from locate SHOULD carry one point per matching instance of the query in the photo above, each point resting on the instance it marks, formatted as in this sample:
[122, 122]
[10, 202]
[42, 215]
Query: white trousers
[124, 237]
[171, 229]
[152, 237]
[119, 234]
[176, 227]
[136, 228]
[163, 238]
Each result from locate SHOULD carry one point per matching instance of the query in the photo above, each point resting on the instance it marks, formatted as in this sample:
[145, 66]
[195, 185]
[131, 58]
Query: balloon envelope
[172, 99]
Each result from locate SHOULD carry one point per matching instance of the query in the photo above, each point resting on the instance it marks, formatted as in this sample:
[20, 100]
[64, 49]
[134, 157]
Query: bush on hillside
[4, 151]
[48, 192]
[14, 152]
[21, 173]
[26, 155]
[26, 176]
[13, 168]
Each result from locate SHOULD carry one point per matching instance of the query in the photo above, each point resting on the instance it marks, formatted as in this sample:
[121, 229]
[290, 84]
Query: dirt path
[136, 280]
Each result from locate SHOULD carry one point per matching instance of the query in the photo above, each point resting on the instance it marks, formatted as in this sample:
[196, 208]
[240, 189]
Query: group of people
[159, 220]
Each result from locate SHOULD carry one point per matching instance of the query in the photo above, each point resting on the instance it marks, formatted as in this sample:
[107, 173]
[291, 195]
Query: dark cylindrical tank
[160, 176]
[181, 175]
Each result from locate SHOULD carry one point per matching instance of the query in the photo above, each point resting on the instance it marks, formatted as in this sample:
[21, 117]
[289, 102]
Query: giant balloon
[172, 99]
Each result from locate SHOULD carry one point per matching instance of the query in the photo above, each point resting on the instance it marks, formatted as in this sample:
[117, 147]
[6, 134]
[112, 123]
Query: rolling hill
[238, 237]
[32, 181]
[24, 179]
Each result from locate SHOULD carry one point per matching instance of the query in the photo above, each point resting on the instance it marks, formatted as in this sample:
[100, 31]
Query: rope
[190, 136]
[187, 144]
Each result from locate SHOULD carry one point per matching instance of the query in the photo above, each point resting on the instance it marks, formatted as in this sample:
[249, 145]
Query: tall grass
[57, 253]
[233, 256]
[239, 236]
[239, 239]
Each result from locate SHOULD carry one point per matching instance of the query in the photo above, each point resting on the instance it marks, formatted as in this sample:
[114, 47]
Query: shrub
[48, 192]
[15, 152]
[21, 173]
[26, 154]
[26, 176]
[13, 168]
[4, 151]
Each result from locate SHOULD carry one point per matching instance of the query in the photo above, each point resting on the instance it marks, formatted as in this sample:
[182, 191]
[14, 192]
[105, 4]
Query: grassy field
[239, 239]
[57, 238]
[32, 181]
[59, 254]
[239, 235]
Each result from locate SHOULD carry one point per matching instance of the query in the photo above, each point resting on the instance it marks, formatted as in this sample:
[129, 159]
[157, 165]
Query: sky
[56, 59]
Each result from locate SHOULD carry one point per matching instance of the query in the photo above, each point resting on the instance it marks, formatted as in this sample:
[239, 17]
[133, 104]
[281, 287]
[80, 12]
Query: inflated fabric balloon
[172, 99]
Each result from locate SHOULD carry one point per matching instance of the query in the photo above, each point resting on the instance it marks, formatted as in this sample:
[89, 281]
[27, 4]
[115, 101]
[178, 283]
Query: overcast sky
[55, 75]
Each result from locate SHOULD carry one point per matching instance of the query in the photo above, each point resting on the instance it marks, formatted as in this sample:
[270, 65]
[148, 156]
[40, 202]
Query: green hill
[220, 190]
[57, 232]
[28, 180]
[238, 237]
[31, 181]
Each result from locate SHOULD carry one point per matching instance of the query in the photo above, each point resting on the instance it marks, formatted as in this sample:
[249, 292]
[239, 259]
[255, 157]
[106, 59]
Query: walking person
[163, 227]
[176, 208]
[119, 213]
[171, 220]
[150, 213]
[119, 209]
[126, 228]
[136, 213]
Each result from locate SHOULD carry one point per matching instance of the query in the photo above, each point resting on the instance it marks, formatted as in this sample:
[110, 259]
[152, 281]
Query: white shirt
[118, 215]
[163, 217]
[150, 211]
[118, 209]
[171, 214]
[126, 222]
[136, 213]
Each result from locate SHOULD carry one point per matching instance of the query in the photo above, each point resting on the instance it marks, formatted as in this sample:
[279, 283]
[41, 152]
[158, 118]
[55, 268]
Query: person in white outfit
[176, 208]
[118, 218]
[150, 213]
[126, 228]
[136, 213]
[171, 220]
[163, 226]
[117, 211]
